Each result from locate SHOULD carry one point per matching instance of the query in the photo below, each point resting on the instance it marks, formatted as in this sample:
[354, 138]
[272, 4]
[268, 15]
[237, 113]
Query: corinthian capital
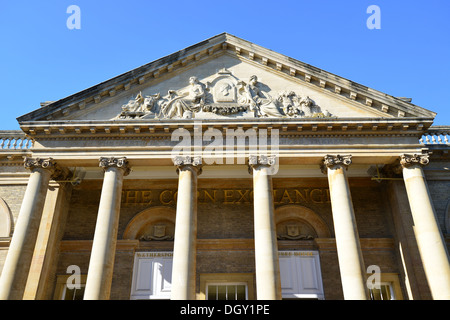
[43, 163]
[262, 160]
[57, 173]
[330, 161]
[193, 162]
[255, 162]
[121, 163]
[187, 160]
[407, 160]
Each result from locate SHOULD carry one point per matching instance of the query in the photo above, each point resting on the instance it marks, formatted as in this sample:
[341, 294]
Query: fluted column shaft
[268, 283]
[185, 239]
[99, 278]
[351, 263]
[20, 253]
[429, 238]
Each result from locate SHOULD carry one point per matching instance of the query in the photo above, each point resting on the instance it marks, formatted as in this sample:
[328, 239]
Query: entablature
[162, 128]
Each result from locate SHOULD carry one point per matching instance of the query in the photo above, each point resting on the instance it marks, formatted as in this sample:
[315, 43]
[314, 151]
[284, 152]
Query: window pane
[385, 292]
[226, 292]
[70, 293]
[240, 292]
[79, 293]
[221, 292]
[231, 295]
[212, 291]
[375, 294]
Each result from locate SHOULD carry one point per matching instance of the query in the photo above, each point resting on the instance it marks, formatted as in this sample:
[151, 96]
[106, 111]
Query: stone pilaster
[20, 253]
[351, 263]
[185, 239]
[268, 283]
[429, 238]
[99, 278]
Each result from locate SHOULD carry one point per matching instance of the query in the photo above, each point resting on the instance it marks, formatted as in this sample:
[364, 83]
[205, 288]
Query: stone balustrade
[436, 135]
[14, 140]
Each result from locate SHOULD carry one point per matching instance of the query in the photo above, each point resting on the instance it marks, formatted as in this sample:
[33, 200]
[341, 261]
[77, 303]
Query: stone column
[431, 245]
[185, 239]
[351, 264]
[46, 252]
[20, 253]
[99, 278]
[268, 283]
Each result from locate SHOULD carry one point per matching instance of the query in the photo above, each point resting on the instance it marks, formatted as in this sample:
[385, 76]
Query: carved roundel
[153, 224]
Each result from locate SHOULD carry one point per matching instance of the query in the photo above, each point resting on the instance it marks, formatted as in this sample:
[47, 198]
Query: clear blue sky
[41, 59]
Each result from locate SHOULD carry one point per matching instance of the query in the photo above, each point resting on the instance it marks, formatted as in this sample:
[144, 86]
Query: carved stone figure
[224, 95]
[191, 101]
[262, 104]
[289, 103]
[139, 106]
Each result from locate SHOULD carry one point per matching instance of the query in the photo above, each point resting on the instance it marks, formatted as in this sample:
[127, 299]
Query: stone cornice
[54, 129]
[224, 43]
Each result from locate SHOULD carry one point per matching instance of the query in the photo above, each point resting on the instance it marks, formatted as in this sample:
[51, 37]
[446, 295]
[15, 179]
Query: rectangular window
[62, 292]
[226, 291]
[385, 292]
[73, 294]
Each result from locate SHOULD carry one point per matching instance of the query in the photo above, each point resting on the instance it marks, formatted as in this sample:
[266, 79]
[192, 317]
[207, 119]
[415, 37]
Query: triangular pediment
[225, 77]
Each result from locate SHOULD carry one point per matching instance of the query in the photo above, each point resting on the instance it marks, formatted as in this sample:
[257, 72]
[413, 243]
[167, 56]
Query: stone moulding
[54, 130]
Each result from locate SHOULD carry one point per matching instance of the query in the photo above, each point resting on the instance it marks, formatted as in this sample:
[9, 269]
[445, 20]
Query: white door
[152, 275]
[300, 275]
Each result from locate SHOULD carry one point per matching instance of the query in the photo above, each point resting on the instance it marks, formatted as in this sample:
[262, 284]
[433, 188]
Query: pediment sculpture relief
[224, 96]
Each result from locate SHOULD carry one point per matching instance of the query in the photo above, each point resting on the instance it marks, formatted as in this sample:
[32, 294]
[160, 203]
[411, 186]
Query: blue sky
[41, 59]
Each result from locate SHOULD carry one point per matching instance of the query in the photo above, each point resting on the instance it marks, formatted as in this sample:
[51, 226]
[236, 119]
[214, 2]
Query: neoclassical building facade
[225, 171]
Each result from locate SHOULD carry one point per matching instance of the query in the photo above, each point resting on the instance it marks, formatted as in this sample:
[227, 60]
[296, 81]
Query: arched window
[5, 220]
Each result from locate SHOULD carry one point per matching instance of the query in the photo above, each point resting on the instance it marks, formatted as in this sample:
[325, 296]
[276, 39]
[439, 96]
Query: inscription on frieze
[168, 197]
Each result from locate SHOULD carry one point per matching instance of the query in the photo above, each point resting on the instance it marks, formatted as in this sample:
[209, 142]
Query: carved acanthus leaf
[407, 160]
[120, 162]
[330, 161]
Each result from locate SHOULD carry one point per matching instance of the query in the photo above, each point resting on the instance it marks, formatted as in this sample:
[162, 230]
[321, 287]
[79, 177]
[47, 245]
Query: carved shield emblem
[293, 230]
[224, 91]
[159, 231]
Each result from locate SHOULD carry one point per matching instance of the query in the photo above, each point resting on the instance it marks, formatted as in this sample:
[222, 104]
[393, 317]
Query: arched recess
[447, 217]
[5, 220]
[295, 222]
[156, 223]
